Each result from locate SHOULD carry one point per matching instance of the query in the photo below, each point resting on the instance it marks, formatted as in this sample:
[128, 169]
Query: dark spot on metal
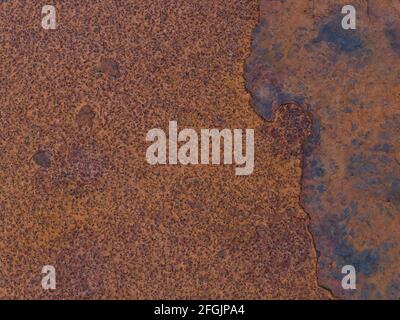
[85, 116]
[346, 41]
[394, 39]
[84, 165]
[42, 158]
[110, 67]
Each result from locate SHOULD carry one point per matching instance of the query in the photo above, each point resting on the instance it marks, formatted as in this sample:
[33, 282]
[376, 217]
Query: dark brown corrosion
[349, 81]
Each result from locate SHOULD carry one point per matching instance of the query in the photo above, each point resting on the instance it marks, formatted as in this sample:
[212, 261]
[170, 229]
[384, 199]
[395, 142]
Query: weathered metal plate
[76, 191]
[349, 81]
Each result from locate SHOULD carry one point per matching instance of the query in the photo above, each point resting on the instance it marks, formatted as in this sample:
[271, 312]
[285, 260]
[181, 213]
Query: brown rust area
[112, 225]
[349, 82]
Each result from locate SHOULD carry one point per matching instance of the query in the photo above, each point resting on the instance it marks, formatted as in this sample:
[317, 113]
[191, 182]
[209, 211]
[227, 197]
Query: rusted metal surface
[76, 192]
[348, 80]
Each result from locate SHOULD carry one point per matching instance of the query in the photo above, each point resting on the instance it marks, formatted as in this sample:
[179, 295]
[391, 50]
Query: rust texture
[348, 80]
[76, 191]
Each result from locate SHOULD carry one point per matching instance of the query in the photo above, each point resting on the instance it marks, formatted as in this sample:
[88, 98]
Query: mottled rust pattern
[76, 191]
[349, 82]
